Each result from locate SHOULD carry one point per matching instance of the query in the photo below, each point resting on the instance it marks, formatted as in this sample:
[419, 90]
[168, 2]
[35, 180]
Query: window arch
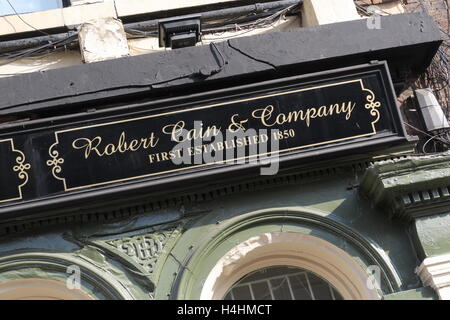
[201, 272]
[39, 289]
[290, 249]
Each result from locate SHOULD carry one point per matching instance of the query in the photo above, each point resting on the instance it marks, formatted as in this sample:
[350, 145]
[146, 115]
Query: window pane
[269, 273]
[242, 293]
[282, 283]
[337, 295]
[320, 288]
[261, 291]
[300, 287]
[26, 6]
[280, 289]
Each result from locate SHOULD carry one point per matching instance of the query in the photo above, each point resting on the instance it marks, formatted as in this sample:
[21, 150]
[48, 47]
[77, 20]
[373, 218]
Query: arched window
[287, 265]
[282, 283]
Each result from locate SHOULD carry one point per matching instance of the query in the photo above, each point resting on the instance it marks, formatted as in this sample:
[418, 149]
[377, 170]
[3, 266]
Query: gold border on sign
[372, 106]
[20, 167]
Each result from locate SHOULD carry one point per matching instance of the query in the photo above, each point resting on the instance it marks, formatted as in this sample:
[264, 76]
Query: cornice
[411, 187]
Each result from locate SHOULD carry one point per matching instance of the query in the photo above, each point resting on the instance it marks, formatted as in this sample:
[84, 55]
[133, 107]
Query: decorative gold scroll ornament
[372, 105]
[55, 161]
[21, 167]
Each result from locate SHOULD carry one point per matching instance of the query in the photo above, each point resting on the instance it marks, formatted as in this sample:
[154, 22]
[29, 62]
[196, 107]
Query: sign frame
[127, 186]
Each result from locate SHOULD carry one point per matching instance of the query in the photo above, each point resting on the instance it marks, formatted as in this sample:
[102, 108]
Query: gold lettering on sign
[179, 133]
[269, 118]
[95, 145]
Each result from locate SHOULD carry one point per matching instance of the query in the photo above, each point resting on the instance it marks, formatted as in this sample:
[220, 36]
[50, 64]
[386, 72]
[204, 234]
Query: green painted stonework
[425, 293]
[416, 189]
[433, 234]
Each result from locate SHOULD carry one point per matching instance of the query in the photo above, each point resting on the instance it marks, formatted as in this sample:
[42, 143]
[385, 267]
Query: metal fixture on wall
[435, 121]
[179, 32]
[432, 114]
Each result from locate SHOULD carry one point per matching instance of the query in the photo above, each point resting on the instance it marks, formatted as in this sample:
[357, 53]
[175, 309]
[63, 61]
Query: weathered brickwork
[438, 9]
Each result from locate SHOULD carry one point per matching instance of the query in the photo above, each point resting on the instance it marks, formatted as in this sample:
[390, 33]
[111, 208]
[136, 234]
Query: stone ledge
[411, 187]
[424, 293]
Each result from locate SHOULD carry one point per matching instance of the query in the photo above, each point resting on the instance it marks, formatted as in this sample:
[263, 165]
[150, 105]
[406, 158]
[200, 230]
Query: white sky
[24, 6]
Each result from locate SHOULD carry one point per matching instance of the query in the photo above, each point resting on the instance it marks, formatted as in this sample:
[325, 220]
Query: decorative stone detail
[435, 272]
[409, 188]
[414, 202]
[145, 249]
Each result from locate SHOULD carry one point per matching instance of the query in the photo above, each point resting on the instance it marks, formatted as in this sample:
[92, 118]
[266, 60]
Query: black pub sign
[255, 125]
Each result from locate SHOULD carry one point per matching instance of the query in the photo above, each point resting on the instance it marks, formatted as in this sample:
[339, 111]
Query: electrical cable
[430, 139]
[425, 133]
[251, 20]
[268, 18]
[53, 46]
[259, 23]
[18, 15]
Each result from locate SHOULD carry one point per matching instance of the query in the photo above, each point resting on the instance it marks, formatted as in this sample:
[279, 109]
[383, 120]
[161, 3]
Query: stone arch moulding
[295, 236]
[292, 249]
[53, 267]
[39, 289]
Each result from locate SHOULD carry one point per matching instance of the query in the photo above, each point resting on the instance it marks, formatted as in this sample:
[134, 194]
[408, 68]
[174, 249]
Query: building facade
[225, 150]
